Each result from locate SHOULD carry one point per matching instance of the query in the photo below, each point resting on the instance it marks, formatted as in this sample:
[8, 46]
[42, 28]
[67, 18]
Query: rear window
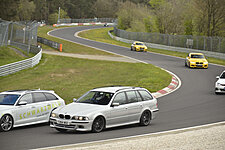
[50, 96]
[145, 95]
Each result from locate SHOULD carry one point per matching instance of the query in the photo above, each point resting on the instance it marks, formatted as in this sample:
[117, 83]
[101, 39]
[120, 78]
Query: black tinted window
[222, 76]
[50, 96]
[39, 97]
[145, 95]
[120, 98]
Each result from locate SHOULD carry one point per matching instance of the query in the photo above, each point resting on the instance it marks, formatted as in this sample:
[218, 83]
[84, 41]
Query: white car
[26, 107]
[220, 83]
[106, 107]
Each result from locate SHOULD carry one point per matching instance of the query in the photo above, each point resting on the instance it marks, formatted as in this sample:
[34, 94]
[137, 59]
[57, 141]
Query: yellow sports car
[196, 60]
[138, 46]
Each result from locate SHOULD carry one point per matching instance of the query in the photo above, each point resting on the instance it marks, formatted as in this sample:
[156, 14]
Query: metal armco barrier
[171, 48]
[20, 65]
[50, 43]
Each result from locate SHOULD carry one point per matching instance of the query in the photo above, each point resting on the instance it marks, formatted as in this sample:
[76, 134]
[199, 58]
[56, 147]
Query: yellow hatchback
[138, 46]
[196, 60]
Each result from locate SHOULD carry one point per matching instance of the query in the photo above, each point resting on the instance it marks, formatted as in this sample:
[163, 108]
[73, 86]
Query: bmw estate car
[220, 83]
[196, 60]
[26, 107]
[138, 46]
[106, 107]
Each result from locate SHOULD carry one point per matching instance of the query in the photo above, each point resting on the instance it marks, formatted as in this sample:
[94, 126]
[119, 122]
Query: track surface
[193, 104]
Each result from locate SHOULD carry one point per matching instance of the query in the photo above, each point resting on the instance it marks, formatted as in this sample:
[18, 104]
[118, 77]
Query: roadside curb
[173, 86]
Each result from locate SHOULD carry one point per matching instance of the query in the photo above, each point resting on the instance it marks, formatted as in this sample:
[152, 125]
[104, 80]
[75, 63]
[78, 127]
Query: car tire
[6, 123]
[98, 124]
[145, 119]
[61, 130]
[185, 64]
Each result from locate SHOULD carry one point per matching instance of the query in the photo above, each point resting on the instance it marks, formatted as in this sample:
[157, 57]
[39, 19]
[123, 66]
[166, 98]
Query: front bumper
[141, 49]
[71, 124]
[193, 65]
[220, 89]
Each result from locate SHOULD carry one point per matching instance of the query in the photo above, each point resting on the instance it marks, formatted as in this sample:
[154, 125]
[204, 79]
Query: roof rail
[108, 86]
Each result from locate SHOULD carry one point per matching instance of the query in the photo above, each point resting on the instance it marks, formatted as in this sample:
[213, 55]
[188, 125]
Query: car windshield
[96, 97]
[197, 56]
[139, 44]
[8, 99]
[222, 75]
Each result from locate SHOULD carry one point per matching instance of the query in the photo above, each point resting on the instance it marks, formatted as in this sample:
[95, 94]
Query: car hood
[221, 81]
[5, 107]
[198, 60]
[80, 109]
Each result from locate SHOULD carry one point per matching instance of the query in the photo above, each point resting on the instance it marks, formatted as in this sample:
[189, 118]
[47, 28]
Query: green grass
[101, 35]
[8, 55]
[68, 47]
[71, 77]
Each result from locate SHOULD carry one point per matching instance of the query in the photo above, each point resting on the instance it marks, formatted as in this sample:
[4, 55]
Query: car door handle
[141, 105]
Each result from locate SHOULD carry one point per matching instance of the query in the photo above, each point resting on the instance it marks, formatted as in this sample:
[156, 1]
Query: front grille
[67, 116]
[62, 116]
[199, 62]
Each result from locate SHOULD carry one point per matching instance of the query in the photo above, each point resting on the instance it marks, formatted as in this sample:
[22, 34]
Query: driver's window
[120, 98]
[27, 98]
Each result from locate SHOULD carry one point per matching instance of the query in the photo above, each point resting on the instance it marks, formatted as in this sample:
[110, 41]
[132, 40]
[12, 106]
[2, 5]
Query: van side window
[27, 98]
[120, 98]
[131, 96]
[50, 96]
[145, 95]
[39, 97]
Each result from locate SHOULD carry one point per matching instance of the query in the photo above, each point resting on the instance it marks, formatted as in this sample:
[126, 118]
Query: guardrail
[171, 48]
[24, 64]
[50, 43]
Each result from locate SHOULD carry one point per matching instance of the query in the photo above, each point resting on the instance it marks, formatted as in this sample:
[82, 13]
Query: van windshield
[8, 99]
[96, 97]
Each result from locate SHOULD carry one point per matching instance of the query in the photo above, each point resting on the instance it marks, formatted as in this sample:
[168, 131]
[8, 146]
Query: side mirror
[115, 104]
[217, 77]
[74, 99]
[22, 103]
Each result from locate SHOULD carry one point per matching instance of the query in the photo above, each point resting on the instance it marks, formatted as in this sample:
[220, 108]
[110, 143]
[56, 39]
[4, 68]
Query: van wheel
[145, 118]
[6, 123]
[98, 124]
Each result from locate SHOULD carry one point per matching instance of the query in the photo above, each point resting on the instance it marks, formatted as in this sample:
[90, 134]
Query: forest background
[176, 17]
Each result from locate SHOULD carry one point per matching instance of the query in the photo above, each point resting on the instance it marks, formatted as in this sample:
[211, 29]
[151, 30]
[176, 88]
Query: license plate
[62, 122]
[199, 65]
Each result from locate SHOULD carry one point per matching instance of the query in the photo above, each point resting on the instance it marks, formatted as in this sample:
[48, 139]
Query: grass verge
[7, 55]
[101, 35]
[71, 77]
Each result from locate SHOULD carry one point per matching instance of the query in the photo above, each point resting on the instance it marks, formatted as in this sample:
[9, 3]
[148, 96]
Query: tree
[8, 10]
[209, 17]
[25, 10]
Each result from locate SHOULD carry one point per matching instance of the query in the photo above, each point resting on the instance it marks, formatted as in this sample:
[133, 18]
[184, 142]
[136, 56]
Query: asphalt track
[193, 104]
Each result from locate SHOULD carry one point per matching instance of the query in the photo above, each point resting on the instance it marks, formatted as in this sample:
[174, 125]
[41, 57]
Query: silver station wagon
[26, 107]
[106, 107]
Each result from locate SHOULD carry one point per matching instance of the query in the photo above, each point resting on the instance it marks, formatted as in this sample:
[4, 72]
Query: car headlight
[218, 84]
[192, 62]
[205, 63]
[80, 118]
[54, 115]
